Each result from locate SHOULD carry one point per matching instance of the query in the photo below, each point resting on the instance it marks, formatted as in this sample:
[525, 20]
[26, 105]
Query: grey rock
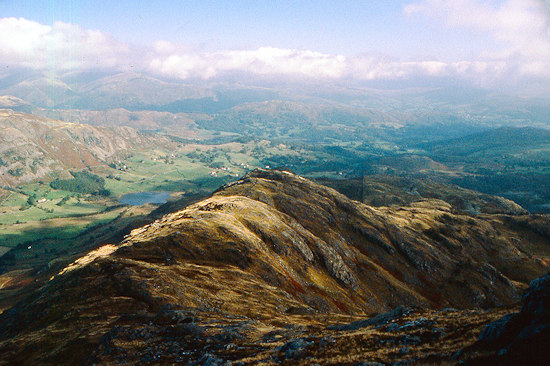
[378, 320]
[495, 330]
[404, 350]
[295, 348]
[210, 360]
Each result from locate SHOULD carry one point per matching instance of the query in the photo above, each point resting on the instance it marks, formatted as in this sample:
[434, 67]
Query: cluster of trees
[16, 172]
[82, 182]
[205, 157]
[63, 200]
[31, 201]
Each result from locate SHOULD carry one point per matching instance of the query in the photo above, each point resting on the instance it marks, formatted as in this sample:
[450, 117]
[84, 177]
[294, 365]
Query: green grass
[11, 237]
[58, 229]
[146, 171]
[189, 168]
[49, 210]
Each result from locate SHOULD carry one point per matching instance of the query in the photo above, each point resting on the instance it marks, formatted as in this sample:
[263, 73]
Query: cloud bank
[62, 46]
[522, 26]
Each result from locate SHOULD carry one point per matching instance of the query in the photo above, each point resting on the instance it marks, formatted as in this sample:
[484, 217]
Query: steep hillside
[33, 147]
[260, 269]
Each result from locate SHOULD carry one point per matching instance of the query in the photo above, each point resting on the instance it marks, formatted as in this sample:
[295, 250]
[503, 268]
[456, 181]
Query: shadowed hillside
[384, 190]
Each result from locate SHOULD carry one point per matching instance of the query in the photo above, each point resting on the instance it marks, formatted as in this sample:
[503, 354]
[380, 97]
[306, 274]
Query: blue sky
[338, 27]
[334, 39]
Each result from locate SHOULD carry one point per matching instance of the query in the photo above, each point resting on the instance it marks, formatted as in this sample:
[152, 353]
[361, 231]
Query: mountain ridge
[269, 250]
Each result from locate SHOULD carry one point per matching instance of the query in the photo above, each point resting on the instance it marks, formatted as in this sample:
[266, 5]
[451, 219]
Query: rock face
[269, 257]
[521, 338]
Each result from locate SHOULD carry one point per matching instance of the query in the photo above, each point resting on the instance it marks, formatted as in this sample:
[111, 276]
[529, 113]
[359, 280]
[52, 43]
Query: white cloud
[62, 46]
[523, 26]
[263, 61]
[268, 61]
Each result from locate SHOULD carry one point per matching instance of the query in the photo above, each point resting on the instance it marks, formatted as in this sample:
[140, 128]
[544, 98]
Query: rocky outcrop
[520, 338]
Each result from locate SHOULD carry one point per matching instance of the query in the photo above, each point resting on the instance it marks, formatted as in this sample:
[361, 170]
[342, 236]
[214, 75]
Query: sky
[484, 42]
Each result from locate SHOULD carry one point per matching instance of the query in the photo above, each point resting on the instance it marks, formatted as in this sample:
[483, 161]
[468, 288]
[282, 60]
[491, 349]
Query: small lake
[141, 198]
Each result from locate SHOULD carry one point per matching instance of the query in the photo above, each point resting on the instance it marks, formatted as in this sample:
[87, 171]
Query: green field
[55, 228]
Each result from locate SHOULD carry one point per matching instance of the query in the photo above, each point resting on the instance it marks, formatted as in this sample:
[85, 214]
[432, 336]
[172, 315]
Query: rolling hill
[96, 91]
[180, 124]
[512, 162]
[297, 120]
[493, 142]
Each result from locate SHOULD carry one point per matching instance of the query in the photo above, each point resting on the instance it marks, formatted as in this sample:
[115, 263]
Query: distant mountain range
[99, 92]
[134, 91]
